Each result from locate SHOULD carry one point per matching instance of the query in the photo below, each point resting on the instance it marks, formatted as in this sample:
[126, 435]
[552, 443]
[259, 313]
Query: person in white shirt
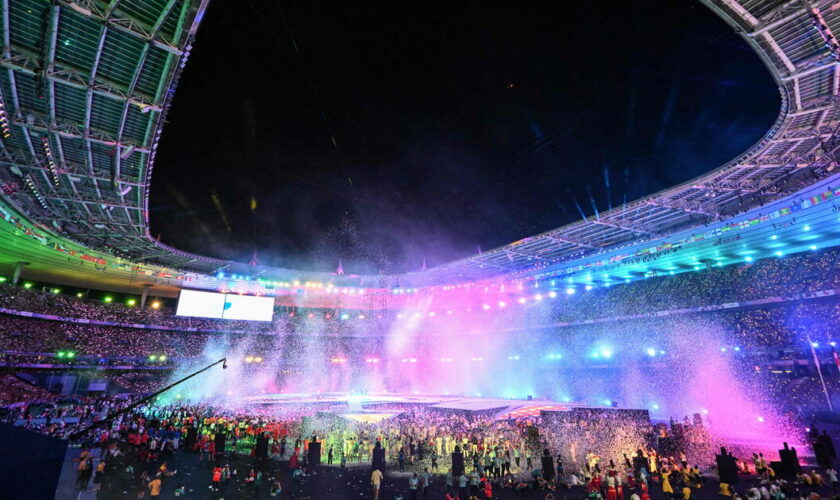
[832, 478]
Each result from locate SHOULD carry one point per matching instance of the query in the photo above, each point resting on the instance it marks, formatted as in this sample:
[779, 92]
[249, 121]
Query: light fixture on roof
[4, 122]
[45, 142]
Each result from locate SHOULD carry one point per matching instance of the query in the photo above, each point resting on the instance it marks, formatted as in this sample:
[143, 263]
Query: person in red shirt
[217, 478]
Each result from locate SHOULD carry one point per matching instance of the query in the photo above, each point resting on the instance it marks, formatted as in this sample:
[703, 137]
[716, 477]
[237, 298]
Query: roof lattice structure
[84, 86]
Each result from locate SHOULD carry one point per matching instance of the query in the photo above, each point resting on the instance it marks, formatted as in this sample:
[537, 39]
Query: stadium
[603, 358]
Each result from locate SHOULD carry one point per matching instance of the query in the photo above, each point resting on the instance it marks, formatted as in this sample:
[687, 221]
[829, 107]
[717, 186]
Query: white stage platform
[344, 403]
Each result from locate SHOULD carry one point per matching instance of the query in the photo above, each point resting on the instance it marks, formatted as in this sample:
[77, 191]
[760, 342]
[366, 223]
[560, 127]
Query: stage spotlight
[651, 351]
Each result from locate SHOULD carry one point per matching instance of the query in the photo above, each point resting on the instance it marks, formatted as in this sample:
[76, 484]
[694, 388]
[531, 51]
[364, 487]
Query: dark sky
[403, 131]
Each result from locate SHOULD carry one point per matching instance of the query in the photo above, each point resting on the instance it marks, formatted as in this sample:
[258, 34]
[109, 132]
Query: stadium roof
[85, 86]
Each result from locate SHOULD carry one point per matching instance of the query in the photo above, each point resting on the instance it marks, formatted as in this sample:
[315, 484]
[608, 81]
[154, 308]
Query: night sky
[386, 133]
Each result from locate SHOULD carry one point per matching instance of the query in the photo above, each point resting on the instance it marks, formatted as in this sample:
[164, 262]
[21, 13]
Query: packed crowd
[597, 455]
[772, 325]
[711, 286]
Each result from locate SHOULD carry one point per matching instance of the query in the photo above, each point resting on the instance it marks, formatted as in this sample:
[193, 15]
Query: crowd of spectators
[709, 286]
[775, 323]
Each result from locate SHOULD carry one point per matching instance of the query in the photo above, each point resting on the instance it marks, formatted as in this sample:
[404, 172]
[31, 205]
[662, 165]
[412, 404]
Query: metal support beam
[123, 23]
[622, 227]
[73, 77]
[681, 208]
[100, 203]
[558, 239]
[71, 131]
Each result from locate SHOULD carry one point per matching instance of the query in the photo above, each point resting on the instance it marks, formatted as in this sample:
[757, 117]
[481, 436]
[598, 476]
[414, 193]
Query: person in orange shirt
[155, 486]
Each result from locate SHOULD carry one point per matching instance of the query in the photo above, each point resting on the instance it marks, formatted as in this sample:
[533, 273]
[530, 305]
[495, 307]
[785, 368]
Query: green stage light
[152, 358]
[56, 290]
[60, 354]
[80, 294]
[71, 354]
[131, 302]
[109, 299]
[27, 285]
[162, 358]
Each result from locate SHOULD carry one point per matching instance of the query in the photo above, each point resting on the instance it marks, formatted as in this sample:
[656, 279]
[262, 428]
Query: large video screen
[198, 304]
[248, 307]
